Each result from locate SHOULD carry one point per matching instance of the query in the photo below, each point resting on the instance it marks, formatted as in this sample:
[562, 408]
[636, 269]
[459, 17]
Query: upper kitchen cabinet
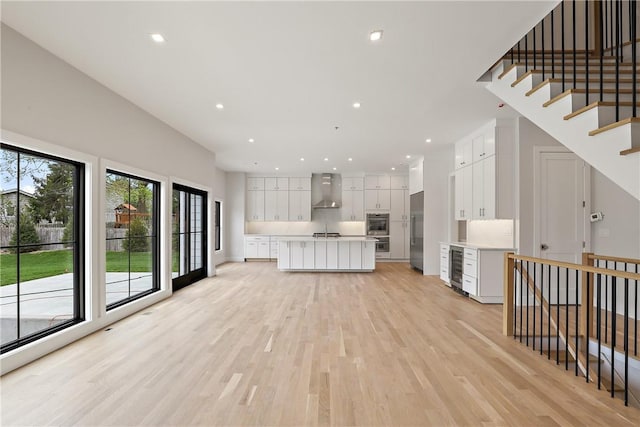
[299, 205]
[399, 182]
[485, 187]
[255, 183]
[352, 199]
[297, 183]
[276, 184]
[416, 176]
[276, 205]
[255, 205]
[377, 200]
[352, 183]
[464, 153]
[377, 182]
[399, 205]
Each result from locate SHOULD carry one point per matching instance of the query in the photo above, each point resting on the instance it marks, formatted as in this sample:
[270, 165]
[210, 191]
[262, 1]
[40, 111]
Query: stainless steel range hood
[326, 190]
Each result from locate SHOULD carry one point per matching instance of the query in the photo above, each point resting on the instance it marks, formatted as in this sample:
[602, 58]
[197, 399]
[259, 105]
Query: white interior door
[561, 217]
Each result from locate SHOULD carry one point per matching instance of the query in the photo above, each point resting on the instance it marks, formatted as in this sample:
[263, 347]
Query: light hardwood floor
[254, 346]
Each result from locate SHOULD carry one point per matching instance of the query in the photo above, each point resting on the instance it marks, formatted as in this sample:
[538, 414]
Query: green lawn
[51, 263]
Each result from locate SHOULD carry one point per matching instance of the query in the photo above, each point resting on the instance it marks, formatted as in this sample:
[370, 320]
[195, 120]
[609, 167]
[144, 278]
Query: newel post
[587, 296]
[509, 289]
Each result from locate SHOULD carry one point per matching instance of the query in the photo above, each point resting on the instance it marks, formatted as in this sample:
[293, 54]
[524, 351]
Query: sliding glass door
[189, 239]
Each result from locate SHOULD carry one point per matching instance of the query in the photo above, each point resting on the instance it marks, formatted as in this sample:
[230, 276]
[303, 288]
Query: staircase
[588, 97]
[584, 334]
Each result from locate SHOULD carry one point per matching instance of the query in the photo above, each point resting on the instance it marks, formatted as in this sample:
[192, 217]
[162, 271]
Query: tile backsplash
[496, 232]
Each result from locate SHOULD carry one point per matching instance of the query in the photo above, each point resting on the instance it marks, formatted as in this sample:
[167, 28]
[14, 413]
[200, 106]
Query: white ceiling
[289, 72]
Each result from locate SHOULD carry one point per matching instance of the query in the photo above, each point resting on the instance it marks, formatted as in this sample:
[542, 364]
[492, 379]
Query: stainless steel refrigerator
[416, 240]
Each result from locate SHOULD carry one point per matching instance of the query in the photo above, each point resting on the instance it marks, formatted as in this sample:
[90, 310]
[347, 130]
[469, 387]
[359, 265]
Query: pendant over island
[344, 254]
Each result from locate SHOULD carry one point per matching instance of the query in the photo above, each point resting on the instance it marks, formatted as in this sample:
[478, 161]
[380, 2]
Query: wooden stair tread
[599, 104]
[630, 151]
[605, 382]
[555, 80]
[615, 125]
[522, 77]
[595, 72]
[592, 92]
[506, 70]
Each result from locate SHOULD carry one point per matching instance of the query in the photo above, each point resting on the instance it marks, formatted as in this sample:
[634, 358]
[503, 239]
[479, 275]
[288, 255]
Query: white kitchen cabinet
[273, 248]
[276, 205]
[464, 193]
[484, 145]
[368, 255]
[276, 184]
[255, 205]
[399, 182]
[416, 176]
[444, 263]
[300, 183]
[302, 254]
[255, 183]
[489, 192]
[343, 255]
[484, 191]
[257, 247]
[352, 183]
[320, 255]
[284, 255]
[355, 255]
[377, 182]
[399, 239]
[299, 205]
[463, 153]
[377, 200]
[482, 274]
[332, 255]
[399, 205]
[352, 205]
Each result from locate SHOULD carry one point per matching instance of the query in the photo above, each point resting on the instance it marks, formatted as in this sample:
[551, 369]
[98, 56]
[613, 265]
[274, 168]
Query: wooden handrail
[613, 258]
[579, 267]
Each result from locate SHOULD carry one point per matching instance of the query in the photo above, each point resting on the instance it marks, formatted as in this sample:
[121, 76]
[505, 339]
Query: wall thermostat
[597, 216]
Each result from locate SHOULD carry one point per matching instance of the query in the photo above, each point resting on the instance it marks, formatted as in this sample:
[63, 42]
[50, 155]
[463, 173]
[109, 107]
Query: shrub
[27, 236]
[136, 238]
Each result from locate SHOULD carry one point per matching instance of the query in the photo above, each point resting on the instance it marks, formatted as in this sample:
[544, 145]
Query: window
[132, 207]
[41, 245]
[189, 240]
[218, 215]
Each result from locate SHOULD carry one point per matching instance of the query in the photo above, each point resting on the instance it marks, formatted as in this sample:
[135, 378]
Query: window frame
[217, 225]
[79, 242]
[156, 246]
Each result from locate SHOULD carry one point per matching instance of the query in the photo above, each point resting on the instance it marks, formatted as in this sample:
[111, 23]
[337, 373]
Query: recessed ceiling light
[302, 159]
[277, 168]
[219, 106]
[326, 159]
[251, 140]
[356, 105]
[350, 159]
[408, 156]
[428, 140]
[375, 35]
[335, 168]
[393, 169]
[157, 37]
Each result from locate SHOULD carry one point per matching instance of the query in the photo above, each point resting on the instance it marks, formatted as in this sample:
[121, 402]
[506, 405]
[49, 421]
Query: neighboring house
[8, 202]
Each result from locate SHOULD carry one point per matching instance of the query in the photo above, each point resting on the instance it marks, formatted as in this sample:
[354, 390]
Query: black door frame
[200, 273]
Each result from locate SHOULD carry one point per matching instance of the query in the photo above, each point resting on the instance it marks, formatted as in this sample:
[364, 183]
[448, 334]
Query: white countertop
[325, 239]
[478, 246]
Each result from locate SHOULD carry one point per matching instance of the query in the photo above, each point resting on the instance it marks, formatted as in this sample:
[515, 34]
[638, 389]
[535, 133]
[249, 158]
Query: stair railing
[558, 308]
[605, 37]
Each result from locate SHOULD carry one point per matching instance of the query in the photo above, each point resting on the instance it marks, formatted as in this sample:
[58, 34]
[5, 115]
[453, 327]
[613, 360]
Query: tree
[53, 199]
[26, 235]
[136, 237]
[131, 191]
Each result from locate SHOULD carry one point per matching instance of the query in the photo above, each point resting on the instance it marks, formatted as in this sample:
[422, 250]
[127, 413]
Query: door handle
[544, 246]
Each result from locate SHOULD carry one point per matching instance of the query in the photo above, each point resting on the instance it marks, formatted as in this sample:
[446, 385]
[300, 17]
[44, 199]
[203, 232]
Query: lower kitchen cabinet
[326, 254]
[257, 247]
[482, 274]
[444, 263]
[399, 239]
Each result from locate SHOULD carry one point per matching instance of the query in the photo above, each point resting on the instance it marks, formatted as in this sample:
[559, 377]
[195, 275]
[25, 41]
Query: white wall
[437, 166]
[51, 107]
[618, 234]
[234, 213]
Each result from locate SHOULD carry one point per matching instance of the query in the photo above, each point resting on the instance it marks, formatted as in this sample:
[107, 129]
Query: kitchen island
[324, 254]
